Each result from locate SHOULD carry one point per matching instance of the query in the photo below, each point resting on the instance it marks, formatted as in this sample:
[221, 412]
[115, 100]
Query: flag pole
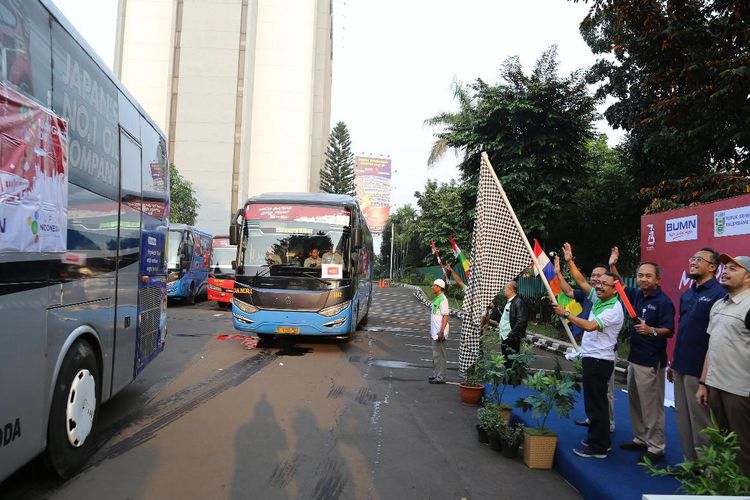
[486, 159]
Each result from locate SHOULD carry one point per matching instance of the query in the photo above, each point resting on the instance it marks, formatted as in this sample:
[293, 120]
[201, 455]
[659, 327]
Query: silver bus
[84, 203]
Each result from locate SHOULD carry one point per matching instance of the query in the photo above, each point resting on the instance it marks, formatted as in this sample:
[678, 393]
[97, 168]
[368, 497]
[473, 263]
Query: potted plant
[714, 472]
[471, 389]
[494, 368]
[493, 423]
[511, 438]
[483, 426]
[552, 391]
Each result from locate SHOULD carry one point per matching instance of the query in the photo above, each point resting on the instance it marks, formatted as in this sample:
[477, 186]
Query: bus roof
[173, 226]
[317, 198]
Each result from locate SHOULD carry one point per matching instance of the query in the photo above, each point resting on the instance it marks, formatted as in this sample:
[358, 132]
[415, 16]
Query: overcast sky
[394, 62]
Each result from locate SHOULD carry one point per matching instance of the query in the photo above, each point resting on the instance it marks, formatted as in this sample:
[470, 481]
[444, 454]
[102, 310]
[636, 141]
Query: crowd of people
[710, 365]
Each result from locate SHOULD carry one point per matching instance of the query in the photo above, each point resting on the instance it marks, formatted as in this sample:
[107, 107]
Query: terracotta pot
[471, 394]
[506, 413]
[539, 451]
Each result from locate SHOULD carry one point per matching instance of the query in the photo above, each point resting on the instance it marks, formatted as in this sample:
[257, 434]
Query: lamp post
[392, 236]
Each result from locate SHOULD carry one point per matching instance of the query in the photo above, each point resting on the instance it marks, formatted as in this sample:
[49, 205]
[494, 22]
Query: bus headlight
[334, 310]
[244, 306]
[215, 288]
[173, 277]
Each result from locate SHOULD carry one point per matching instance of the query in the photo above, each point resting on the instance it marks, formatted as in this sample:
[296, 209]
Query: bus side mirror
[234, 234]
[357, 240]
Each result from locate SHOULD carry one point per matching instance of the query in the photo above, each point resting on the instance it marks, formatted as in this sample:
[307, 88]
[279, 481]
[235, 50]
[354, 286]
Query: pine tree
[337, 176]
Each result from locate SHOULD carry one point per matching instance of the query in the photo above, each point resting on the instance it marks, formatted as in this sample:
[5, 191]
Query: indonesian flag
[459, 255]
[547, 267]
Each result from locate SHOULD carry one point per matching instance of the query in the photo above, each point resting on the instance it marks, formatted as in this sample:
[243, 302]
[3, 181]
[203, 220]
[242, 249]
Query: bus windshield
[173, 250]
[296, 241]
[221, 259]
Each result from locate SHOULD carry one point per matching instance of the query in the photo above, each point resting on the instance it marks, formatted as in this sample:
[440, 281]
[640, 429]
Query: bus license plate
[290, 330]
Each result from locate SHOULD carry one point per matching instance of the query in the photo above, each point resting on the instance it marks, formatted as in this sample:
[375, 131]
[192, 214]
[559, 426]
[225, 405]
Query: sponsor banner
[372, 179]
[298, 213]
[732, 222]
[33, 176]
[682, 229]
[672, 249]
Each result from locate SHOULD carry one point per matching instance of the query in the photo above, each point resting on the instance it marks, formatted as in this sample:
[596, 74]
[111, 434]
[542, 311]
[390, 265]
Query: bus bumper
[292, 323]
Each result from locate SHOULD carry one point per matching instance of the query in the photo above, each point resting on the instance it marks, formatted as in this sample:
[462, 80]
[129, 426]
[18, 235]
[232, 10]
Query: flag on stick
[499, 252]
[437, 256]
[459, 255]
[547, 268]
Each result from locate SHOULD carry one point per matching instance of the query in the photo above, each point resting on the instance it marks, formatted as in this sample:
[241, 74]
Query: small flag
[547, 267]
[459, 255]
[624, 299]
[437, 256]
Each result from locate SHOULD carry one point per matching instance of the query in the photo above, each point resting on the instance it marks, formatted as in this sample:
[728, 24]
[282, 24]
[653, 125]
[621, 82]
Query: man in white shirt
[598, 355]
[439, 331]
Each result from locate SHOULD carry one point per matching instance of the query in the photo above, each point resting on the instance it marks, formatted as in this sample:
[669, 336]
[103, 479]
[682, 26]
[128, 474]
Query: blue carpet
[617, 476]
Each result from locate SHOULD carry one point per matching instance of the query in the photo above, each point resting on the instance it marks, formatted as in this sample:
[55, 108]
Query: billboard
[372, 179]
[670, 238]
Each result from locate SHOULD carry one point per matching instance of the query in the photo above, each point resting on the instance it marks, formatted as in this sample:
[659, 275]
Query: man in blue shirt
[648, 359]
[690, 349]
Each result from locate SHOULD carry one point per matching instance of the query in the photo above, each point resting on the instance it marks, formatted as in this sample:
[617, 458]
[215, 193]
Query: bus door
[128, 280]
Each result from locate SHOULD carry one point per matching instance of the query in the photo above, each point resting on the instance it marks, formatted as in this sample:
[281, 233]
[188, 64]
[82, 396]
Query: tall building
[241, 87]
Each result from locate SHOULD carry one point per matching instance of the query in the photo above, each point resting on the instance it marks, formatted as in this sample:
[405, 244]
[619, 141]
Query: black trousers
[596, 373]
[511, 345]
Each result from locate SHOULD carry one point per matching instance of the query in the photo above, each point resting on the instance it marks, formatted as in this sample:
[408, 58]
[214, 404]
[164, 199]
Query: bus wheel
[75, 407]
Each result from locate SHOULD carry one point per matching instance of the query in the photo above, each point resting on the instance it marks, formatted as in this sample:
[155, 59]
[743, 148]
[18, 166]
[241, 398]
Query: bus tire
[190, 299]
[74, 411]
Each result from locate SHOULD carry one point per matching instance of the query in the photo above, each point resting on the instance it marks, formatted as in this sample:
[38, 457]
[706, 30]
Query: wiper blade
[263, 271]
[311, 275]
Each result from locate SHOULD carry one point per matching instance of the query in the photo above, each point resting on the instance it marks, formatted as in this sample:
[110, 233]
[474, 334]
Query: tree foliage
[337, 176]
[534, 128]
[680, 74]
[442, 216]
[183, 206]
[408, 250]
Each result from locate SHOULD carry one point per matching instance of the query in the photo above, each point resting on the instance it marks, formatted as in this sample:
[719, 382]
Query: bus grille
[150, 299]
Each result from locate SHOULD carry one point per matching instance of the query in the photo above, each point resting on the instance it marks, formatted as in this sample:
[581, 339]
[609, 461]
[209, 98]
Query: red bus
[221, 274]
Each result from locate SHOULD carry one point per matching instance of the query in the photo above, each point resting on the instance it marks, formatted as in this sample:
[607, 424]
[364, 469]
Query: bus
[221, 274]
[188, 258]
[84, 202]
[303, 265]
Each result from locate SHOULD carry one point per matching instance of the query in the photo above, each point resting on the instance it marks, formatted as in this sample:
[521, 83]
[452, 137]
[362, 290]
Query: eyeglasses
[603, 284]
[697, 258]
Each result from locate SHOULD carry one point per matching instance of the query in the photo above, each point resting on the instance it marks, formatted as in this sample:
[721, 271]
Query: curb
[558, 347]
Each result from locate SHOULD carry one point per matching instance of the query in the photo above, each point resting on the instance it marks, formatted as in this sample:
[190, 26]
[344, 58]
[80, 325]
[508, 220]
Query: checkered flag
[499, 252]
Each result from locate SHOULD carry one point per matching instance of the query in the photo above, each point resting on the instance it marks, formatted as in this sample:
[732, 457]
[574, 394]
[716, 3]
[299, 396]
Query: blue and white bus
[304, 265]
[84, 203]
[188, 262]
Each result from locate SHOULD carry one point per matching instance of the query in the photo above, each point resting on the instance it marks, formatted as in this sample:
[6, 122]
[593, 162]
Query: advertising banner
[372, 179]
[298, 213]
[33, 176]
[670, 238]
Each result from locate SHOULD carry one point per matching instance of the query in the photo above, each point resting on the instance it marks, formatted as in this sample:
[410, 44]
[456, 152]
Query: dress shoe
[436, 381]
[633, 446]
[585, 422]
[654, 457]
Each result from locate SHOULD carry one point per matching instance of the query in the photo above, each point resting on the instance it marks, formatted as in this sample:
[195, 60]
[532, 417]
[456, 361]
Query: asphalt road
[307, 419]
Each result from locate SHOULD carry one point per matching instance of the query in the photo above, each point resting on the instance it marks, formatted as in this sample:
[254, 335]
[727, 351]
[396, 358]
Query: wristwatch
[654, 332]
[566, 315]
